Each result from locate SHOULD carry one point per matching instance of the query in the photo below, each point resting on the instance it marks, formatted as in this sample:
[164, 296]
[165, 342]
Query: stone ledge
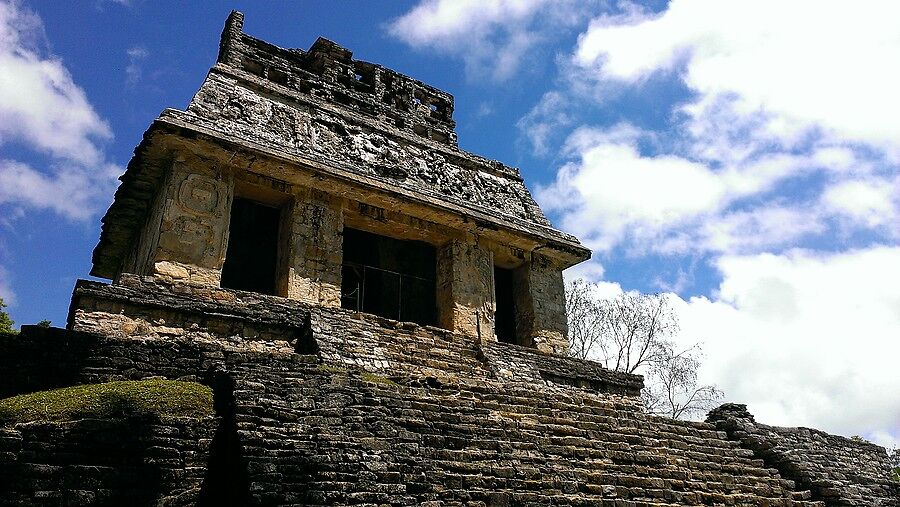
[151, 308]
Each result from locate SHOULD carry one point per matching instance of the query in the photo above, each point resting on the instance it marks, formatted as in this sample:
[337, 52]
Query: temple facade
[312, 176]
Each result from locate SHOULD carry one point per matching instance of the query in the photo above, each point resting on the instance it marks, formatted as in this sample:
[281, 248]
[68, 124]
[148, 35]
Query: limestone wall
[315, 246]
[329, 71]
[374, 412]
[193, 224]
[838, 470]
[317, 407]
[541, 312]
[187, 234]
[328, 107]
[105, 462]
[465, 288]
[320, 408]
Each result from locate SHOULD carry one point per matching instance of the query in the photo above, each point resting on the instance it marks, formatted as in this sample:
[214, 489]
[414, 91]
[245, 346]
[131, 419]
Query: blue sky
[741, 156]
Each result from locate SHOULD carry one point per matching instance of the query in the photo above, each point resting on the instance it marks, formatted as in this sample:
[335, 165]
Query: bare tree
[636, 329]
[633, 333]
[672, 390]
[583, 313]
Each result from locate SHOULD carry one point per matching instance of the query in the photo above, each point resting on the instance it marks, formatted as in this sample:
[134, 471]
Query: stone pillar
[316, 249]
[541, 305]
[193, 226]
[465, 286]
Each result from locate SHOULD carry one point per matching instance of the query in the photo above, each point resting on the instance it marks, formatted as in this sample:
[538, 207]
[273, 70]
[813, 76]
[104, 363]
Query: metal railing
[356, 297]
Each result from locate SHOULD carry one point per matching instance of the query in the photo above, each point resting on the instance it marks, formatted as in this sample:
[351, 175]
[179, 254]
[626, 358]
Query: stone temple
[381, 318]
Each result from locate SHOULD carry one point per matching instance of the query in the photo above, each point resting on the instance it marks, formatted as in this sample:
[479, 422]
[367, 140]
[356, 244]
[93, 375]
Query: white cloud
[39, 102]
[759, 229]
[755, 159]
[806, 339]
[72, 192]
[591, 270]
[871, 203]
[545, 120]
[801, 64]
[613, 191]
[133, 70]
[491, 36]
[43, 109]
[788, 135]
[6, 292]
[612, 194]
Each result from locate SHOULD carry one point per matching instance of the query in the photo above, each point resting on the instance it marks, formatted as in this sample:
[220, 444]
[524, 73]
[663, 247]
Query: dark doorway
[388, 277]
[252, 256]
[505, 315]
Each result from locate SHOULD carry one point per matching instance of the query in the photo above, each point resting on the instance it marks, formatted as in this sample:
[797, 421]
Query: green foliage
[6, 323]
[157, 397]
[44, 323]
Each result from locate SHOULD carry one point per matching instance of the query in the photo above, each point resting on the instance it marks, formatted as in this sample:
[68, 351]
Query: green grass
[328, 368]
[378, 379]
[154, 397]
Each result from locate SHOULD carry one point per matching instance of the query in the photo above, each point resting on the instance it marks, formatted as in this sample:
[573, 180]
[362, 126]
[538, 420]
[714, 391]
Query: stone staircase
[326, 407]
[314, 434]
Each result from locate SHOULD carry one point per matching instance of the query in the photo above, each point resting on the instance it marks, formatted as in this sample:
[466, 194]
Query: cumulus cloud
[803, 64]
[72, 192]
[871, 203]
[805, 338]
[784, 135]
[612, 194]
[39, 102]
[492, 37]
[42, 109]
[612, 191]
[545, 120]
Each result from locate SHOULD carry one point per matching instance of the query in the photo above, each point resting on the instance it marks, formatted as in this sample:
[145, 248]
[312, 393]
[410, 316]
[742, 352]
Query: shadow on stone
[226, 480]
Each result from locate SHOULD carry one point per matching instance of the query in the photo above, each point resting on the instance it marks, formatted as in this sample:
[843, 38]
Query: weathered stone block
[465, 288]
[316, 225]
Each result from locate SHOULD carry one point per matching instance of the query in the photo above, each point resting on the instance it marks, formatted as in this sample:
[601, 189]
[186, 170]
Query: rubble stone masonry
[318, 406]
[322, 405]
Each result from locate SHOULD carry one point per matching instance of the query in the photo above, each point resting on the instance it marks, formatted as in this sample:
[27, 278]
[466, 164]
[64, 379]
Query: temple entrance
[252, 255]
[504, 298]
[388, 277]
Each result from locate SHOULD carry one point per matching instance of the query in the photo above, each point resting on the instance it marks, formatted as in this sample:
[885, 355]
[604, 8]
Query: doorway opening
[251, 259]
[389, 277]
[504, 298]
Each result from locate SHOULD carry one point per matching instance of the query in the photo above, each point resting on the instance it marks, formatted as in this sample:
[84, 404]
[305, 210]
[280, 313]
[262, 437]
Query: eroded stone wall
[385, 413]
[105, 462]
[837, 470]
[192, 220]
[194, 224]
[540, 312]
[465, 288]
[316, 249]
